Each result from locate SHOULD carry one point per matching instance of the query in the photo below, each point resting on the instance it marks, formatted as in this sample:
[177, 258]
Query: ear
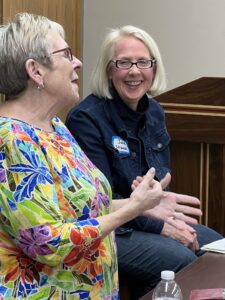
[109, 72]
[35, 71]
[154, 72]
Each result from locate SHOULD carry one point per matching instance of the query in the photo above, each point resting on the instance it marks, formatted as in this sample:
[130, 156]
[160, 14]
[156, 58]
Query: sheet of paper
[217, 246]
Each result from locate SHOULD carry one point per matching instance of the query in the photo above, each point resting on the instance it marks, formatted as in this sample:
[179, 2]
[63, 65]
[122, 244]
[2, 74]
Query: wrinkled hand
[186, 236]
[172, 206]
[147, 194]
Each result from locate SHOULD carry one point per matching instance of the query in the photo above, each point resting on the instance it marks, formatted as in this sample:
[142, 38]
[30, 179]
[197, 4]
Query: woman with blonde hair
[122, 130]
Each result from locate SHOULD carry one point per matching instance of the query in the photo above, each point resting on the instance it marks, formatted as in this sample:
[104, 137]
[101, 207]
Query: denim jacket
[123, 143]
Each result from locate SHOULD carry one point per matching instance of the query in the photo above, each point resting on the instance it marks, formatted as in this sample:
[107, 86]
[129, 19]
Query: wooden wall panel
[216, 192]
[186, 169]
[67, 12]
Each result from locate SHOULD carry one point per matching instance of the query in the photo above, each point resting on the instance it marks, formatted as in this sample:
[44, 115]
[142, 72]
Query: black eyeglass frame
[116, 61]
[70, 56]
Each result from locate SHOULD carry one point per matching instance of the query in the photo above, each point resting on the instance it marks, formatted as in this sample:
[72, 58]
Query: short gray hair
[100, 83]
[21, 39]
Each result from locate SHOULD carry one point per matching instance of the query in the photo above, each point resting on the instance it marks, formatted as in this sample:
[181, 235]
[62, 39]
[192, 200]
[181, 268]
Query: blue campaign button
[120, 145]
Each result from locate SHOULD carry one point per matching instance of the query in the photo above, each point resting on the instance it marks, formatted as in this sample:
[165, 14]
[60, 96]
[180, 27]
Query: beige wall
[189, 33]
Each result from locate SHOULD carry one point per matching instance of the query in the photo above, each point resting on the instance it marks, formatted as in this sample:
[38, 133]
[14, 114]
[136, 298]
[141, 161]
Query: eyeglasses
[67, 53]
[140, 64]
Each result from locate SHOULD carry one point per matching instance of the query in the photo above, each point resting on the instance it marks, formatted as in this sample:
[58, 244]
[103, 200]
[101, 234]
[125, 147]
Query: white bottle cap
[167, 275]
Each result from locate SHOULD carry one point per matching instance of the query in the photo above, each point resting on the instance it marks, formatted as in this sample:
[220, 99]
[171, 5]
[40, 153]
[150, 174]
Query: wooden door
[65, 12]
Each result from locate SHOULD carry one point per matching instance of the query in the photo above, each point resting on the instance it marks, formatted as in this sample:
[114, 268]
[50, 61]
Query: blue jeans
[142, 256]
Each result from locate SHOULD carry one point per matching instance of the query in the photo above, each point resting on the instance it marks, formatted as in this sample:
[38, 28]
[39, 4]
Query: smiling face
[131, 84]
[61, 78]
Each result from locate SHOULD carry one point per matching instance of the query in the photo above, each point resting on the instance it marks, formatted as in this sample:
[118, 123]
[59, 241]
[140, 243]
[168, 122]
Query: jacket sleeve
[146, 224]
[88, 135]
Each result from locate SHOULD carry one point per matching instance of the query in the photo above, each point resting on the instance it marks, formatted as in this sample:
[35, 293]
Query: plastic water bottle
[167, 288]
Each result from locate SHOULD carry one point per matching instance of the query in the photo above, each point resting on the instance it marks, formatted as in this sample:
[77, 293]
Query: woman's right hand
[147, 194]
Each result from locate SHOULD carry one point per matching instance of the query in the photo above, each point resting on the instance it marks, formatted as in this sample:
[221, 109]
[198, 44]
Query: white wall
[189, 33]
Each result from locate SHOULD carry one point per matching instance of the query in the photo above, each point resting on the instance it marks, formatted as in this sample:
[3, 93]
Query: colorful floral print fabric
[50, 240]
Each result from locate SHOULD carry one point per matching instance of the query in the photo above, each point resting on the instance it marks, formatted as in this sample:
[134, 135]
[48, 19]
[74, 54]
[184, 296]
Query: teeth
[133, 82]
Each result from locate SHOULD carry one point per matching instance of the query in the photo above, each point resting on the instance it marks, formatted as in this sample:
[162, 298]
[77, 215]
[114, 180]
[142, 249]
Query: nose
[134, 68]
[134, 64]
[77, 64]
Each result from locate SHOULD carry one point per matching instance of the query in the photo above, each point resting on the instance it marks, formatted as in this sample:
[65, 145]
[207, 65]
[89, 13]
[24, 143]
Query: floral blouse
[50, 240]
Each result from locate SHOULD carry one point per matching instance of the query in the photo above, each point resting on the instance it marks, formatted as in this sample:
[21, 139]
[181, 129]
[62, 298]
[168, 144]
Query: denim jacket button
[134, 154]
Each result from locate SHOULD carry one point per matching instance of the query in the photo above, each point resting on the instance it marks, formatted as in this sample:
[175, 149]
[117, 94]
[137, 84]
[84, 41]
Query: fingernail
[152, 170]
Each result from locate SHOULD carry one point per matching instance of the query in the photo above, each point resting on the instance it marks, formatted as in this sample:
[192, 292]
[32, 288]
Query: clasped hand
[186, 236]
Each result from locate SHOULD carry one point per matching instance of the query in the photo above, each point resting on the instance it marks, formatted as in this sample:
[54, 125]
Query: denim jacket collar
[123, 117]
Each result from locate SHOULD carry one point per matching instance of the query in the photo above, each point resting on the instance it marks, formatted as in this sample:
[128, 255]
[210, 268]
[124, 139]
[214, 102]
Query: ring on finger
[176, 215]
[173, 217]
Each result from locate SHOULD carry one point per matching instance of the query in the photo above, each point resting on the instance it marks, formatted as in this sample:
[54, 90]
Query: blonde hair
[100, 83]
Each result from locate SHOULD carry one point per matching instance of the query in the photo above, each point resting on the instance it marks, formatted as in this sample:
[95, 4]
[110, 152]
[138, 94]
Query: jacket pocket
[161, 141]
[159, 153]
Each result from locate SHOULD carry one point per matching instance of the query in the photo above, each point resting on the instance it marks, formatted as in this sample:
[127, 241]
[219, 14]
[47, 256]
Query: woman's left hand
[186, 236]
